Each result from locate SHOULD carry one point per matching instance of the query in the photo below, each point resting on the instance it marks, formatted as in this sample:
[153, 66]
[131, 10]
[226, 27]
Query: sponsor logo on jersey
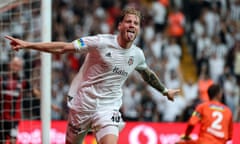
[217, 107]
[119, 71]
[130, 60]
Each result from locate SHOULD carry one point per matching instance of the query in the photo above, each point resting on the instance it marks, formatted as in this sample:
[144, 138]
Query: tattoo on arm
[151, 78]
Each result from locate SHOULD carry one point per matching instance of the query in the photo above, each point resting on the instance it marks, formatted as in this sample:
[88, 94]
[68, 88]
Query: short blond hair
[130, 10]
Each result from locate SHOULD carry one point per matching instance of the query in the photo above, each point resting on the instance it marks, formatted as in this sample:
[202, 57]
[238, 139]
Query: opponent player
[96, 91]
[11, 92]
[215, 118]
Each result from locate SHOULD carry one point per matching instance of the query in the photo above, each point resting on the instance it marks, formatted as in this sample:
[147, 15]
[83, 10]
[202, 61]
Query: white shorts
[100, 123]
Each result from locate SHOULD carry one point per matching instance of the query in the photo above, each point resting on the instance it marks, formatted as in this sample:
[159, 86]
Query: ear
[119, 25]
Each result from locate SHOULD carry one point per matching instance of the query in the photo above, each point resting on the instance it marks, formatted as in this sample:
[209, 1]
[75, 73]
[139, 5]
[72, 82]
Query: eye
[128, 21]
[136, 23]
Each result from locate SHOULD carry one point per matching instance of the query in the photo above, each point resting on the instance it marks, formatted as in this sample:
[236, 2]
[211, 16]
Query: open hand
[172, 93]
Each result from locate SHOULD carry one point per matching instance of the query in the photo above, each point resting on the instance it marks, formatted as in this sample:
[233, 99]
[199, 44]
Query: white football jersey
[98, 84]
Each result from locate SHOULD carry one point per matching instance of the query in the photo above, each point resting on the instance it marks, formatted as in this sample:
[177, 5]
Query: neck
[216, 99]
[124, 44]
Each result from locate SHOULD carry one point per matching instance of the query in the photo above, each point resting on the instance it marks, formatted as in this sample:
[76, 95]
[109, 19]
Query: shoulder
[137, 49]
[106, 36]
[227, 109]
[203, 105]
[106, 40]
[98, 37]
[138, 52]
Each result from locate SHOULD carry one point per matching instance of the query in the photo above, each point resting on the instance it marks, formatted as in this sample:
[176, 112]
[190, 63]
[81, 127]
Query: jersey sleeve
[142, 61]
[84, 44]
[196, 115]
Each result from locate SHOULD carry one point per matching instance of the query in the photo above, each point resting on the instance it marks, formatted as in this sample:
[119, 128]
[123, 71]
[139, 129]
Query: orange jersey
[216, 123]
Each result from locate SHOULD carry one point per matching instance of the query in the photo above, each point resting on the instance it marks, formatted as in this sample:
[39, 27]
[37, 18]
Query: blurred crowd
[208, 29]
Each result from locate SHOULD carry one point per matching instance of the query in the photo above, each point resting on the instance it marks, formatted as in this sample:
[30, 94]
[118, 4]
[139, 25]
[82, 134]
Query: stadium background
[188, 43]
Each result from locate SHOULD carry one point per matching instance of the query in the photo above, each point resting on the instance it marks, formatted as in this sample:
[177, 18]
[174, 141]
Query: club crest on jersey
[108, 54]
[130, 60]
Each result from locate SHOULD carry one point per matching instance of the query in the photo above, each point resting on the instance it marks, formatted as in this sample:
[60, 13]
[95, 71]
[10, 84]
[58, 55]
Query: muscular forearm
[151, 78]
[189, 130]
[51, 47]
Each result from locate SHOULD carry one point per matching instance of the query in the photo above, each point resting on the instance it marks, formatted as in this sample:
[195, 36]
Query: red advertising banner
[133, 133]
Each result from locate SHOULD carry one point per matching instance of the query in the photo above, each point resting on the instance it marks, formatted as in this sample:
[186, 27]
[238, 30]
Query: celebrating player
[216, 123]
[96, 91]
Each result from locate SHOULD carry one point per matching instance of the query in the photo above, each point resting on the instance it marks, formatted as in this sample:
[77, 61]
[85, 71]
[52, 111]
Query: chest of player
[116, 60]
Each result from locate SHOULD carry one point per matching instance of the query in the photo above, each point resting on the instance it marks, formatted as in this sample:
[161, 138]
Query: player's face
[129, 27]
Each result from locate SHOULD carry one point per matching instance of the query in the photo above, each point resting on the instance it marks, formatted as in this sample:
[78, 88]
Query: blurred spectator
[164, 2]
[190, 91]
[212, 20]
[159, 13]
[216, 66]
[223, 76]
[32, 95]
[198, 27]
[148, 109]
[225, 35]
[149, 31]
[11, 95]
[236, 62]
[156, 47]
[204, 82]
[59, 92]
[131, 101]
[176, 22]
[235, 10]
[172, 79]
[173, 53]
[113, 13]
[218, 48]
[231, 93]
[173, 111]
[160, 101]
[203, 43]
[202, 63]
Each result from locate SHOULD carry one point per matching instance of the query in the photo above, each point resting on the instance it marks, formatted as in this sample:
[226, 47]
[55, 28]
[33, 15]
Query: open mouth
[131, 31]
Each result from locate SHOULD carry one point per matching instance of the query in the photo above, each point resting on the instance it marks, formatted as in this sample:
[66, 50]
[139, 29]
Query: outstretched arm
[51, 47]
[151, 78]
[188, 130]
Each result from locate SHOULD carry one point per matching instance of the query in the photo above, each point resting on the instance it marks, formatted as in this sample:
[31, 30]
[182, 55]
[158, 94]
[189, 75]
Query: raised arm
[51, 47]
[151, 78]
